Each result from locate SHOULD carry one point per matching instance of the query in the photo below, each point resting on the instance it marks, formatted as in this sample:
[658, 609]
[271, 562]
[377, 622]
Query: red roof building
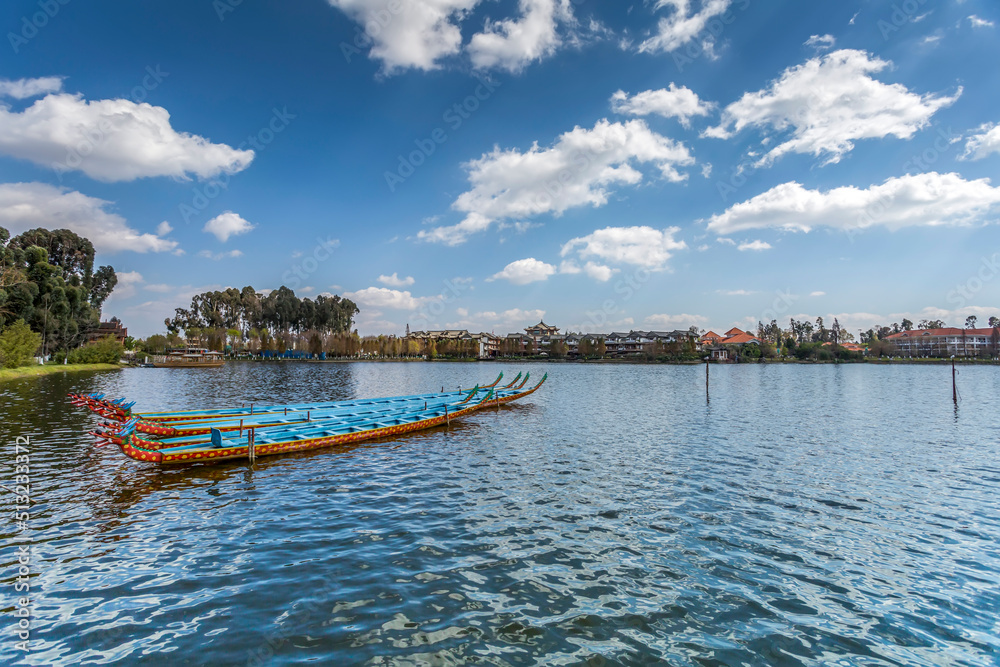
[947, 342]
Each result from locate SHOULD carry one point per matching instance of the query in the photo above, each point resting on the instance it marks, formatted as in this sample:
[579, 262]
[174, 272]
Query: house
[947, 342]
[728, 347]
[541, 330]
[709, 339]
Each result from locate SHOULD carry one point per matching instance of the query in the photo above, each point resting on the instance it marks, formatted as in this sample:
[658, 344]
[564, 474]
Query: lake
[798, 514]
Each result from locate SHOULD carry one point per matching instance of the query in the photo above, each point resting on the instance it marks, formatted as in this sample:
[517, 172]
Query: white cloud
[724, 241]
[231, 254]
[983, 144]
[524, 271]
[227, 224]
[418, 34]
[828, 103]
[736, 292]
[395, 281]
[684, 25]
[163, 228]
[641, 246]
[508, 320]
[920, 200]
[383, 297]
[127, 287]
[111, 140]
[577, 171]
[21, 89]
[513, 44]
[754, 245]
[706, 170]
[821, 42]
[817, 293]
[681, 103]
[980, 23]
[24, 206]
[682, 321]
[599, 272]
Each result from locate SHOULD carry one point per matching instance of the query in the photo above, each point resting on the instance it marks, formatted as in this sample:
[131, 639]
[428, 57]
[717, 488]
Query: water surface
[797, 515]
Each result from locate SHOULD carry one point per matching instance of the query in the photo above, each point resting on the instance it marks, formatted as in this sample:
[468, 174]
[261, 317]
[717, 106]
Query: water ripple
[806, 515]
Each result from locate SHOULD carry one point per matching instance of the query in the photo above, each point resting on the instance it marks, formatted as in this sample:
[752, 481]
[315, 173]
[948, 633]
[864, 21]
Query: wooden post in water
[447, 418]
[706, 380]
[241, 428]
[954, 387]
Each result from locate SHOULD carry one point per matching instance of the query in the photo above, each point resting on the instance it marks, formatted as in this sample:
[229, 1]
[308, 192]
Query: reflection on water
[802, 515]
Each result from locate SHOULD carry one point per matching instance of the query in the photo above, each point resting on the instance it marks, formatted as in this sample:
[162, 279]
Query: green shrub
[104, 351]
[18, 344]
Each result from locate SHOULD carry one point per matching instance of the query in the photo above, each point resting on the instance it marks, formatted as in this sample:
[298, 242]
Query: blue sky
[481, 164]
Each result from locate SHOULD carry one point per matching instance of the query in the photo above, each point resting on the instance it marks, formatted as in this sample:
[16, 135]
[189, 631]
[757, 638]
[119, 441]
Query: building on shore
[947, 342]
[480, 345]
[542, 330]
[729, 346]
[112, 328]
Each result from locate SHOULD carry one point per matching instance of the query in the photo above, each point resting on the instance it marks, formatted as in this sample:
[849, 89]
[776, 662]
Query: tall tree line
[47, 279]
[249, 313]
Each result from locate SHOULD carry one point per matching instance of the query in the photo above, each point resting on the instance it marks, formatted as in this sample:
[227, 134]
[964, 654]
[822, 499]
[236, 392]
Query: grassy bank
[51, 369]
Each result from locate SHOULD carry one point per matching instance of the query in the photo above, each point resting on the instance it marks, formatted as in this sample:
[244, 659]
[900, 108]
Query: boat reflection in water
[189, 357]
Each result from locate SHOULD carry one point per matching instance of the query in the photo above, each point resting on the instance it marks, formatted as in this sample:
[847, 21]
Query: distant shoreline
[645, 362]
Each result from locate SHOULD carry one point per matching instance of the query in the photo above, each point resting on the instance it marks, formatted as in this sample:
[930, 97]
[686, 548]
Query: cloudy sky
[484, 163]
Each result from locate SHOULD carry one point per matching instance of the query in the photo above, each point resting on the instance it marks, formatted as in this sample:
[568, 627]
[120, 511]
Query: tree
[18, 344]
[156, 344]
[970, 322]
[994, 321]
[907, 325]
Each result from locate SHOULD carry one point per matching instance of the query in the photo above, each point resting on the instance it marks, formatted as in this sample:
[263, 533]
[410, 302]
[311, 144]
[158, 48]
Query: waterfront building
[729, 347]
[483, 345]
[947, 342]
[112, 328]
[542, 330]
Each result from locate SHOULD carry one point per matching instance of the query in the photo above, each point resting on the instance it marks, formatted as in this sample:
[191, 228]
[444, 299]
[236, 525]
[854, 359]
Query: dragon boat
[297, 418]
[182, 433]
[120, 410]
[316, 435]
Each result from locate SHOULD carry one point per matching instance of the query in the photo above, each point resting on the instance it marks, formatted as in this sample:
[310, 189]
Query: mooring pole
[954, 387]
[447, 417]
[241, 428]
[706, 380]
